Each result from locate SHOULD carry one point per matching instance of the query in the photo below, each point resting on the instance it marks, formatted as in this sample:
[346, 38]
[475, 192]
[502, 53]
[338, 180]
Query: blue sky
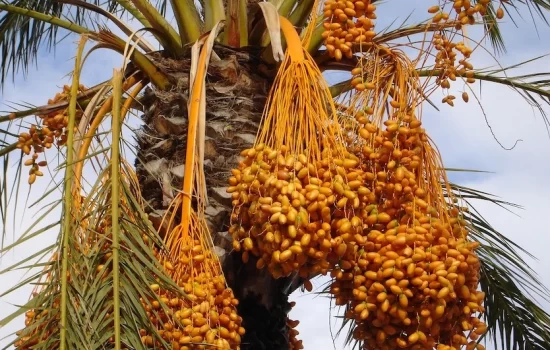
[461, 133]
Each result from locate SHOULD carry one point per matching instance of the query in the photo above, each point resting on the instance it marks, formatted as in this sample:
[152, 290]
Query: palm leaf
[492, 26]
[78, 294]
[538, 7]
[125, 28]
[22, 37]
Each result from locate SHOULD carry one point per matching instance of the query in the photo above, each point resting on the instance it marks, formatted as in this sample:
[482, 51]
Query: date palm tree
[83, 308]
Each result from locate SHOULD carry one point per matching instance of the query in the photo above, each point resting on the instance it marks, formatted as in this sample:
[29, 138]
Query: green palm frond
[111, 41]
[105, 237]
[538, 7]
[529, 86]
[492, 26]
[83, 99]
[22, 37]
[90, 266]
[136, 266]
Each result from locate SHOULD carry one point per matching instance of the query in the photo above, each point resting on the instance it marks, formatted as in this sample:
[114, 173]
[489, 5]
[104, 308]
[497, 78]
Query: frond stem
[68, 196]
[115, 198]
[345, 86]
[56, 21]
[135, 12]
[243, 22]
[316, 40]
[299, 16]
[491, 78]
[157, 77]
[100, 115]
[417, 29]
[82, 101]
[8, 149]
[140, 41]
[167, 35]
[188, 20]
[340, 88]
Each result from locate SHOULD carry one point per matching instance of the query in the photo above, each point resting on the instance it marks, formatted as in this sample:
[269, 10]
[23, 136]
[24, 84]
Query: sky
[461, 134]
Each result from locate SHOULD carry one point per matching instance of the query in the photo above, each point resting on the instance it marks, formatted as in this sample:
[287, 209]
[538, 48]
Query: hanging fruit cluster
[293, 193]
[445, 63]
[206, 318]
[363, 77]
[346, 24]
[466, 13]
[37, 327]
[413, 283]
[27, 340]
[372, 70]
[51, 130]
[293, 342]
[293, 213]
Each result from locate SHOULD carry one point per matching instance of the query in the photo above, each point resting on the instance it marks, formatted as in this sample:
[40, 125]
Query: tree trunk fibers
[236, 92]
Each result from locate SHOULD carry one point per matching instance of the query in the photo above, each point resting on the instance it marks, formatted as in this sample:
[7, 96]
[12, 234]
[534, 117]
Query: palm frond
[136, 265]
[404, 31]
[109, 40]
[88, 266]
[533, 88]
[82, 99]
[492, 26]
[90, 287]
[68, 219]
[530, 89]
[22, 36]
[534, 7]
[23, 29]
[125, 28]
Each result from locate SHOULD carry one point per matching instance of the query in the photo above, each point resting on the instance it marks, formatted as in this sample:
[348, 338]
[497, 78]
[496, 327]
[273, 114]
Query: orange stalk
[294, 44]
[194, 110]
[87, 140]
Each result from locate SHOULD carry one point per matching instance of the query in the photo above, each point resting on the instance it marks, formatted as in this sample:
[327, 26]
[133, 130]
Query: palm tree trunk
[236, 91]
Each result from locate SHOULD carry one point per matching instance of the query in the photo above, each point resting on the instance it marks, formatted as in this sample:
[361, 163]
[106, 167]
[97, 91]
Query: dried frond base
[236, 93]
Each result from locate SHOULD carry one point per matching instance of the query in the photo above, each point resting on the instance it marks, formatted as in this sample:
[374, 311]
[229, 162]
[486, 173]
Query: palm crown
[140, 260]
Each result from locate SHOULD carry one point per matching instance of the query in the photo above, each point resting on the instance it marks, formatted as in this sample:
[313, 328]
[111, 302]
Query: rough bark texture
[236, 92]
